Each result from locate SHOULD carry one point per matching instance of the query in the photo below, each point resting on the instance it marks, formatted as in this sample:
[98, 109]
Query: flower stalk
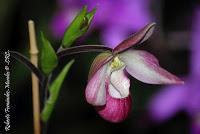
[82, 49]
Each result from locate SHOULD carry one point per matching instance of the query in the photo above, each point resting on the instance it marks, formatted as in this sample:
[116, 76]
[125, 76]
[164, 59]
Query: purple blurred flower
[195, 128]
[115, 18]
[186, 97]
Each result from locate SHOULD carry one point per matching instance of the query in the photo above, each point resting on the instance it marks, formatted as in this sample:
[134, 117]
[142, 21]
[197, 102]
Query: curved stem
[82, 49]
[24, 60]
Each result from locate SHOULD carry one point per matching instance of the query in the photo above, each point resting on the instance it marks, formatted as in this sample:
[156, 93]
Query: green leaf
[77, 27]
[48, 58]
[54, 90]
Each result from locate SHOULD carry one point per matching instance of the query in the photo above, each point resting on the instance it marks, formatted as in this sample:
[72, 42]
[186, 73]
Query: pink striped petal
[136, 38]
[145, 67]
[95, 91]
[119, 84]
[115, 110]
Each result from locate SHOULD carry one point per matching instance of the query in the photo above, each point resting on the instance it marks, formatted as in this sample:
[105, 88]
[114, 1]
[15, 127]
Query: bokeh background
[171, 43]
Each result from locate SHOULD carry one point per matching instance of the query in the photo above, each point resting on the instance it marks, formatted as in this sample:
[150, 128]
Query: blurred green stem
[46, 93]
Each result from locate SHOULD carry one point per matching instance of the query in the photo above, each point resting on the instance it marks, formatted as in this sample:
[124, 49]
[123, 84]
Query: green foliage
[48, 58]
[78, 27]
[54, 92]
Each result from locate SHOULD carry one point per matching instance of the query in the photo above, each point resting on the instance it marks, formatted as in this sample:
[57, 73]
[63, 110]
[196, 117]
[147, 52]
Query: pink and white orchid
[108, 83]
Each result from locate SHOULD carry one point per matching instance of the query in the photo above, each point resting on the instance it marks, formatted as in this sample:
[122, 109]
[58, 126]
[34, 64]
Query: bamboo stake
[35, 84]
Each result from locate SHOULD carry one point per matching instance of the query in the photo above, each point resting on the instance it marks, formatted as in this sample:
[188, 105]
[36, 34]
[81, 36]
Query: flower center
[116, 64]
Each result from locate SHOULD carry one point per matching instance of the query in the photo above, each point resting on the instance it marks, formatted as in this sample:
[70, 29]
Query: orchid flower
[108, 83]
[185, 97]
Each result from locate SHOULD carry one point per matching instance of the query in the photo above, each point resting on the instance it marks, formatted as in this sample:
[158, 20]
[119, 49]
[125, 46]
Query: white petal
[119, 84]
[145, 67]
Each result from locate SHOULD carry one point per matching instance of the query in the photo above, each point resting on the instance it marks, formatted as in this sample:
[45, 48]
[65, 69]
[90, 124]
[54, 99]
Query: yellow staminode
[116, 64]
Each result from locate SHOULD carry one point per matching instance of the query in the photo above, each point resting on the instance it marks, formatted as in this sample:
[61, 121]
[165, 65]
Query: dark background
[72, 115]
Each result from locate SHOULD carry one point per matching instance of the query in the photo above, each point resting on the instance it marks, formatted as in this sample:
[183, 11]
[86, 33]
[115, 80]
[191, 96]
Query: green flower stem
[46, 94]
